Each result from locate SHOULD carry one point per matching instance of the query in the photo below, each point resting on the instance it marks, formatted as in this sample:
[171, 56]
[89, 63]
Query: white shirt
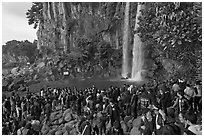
[189, 92]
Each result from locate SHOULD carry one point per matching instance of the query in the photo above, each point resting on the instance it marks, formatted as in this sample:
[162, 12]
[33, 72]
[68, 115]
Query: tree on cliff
[34, 14]
[175, 32]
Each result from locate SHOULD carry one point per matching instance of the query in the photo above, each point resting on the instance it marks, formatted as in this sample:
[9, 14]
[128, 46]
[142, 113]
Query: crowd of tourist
[168, 108]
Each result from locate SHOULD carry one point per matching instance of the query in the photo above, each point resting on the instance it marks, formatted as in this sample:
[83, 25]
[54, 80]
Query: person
[189, 95]
[146, 126]
[48, 110]
[191, 126]
[178, 103]
[170, 126]
[175, 87]
[23, 108]
[37, 110]
[7, 106]
[143, 101]
[127, 103]
[102, 123]
[198, 97]
[159, 121]
[114, 112]
[134, 100]
[86, 126]
[22, 130]
[165, 99]
[29, 129]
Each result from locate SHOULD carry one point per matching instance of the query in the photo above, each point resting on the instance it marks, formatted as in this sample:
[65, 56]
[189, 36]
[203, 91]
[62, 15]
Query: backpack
[188, 132]
[171, 129]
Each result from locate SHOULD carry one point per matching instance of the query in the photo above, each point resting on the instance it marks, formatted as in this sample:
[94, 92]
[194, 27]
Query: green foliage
[20, 49]
[175, 30]
[34, 14]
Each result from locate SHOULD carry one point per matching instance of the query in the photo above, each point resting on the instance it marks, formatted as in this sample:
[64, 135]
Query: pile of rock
[61, 123]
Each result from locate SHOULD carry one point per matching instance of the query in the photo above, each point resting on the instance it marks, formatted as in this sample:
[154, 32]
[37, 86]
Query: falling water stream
[137, 62]
[125, 42]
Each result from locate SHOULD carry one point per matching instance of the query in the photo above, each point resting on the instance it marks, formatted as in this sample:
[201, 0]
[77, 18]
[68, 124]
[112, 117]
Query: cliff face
[52, 31]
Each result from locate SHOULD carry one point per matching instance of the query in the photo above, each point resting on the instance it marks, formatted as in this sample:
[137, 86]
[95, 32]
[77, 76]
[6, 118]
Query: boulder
[73, 132]
[67, 111]
[55, 127]
[71, 124]
[124, 127]
[129, 125]
[66, 133]
[58, 107]
[68, 117]
[45, 129]
[59, 115]
[135, 131]
[136, 122]
[56, 122]
[36, 125]
[52, 132]
[53, 115]
[59, 132]
[61, 120]
[127, 118]
[61, 126]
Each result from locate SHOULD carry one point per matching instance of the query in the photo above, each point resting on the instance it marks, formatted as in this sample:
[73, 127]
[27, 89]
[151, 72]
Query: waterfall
[137, 62]
[125, 41]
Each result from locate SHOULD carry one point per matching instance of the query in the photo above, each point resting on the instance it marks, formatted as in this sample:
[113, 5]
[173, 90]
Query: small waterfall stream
[125, 42]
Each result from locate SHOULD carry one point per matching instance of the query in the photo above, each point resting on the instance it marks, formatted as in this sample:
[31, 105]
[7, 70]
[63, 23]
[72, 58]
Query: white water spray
[138, 61]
